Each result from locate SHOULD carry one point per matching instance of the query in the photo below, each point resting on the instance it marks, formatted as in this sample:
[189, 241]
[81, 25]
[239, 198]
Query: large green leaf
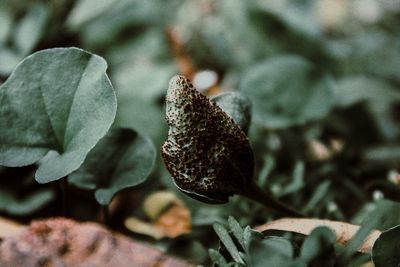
[120, 160]
[286, 91]
[55, 107]
[385, 252]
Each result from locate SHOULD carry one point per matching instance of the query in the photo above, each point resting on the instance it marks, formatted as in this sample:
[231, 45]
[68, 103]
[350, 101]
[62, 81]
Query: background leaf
[272, 85]
[30, 203]
[385, 252]
[55, 107]
[122, 159]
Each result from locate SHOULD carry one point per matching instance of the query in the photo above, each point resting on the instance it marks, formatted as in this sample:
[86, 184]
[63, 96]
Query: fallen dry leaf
[169, 217]
[63, 242]
[344, 231]
[174, 222]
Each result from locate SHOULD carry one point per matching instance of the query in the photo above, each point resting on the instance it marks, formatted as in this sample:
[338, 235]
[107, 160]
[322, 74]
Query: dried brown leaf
[344, 231]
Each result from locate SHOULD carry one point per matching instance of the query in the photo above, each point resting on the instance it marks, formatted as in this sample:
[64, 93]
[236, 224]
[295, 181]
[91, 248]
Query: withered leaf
[207, 153]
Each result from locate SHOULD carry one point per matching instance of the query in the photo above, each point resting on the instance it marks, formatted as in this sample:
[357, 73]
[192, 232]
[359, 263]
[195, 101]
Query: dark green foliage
[385, 252]
[322, 78]
[121, 159]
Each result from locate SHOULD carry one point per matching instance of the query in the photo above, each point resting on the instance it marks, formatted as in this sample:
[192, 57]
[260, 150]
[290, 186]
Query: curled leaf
[169, 217]
[207, 153]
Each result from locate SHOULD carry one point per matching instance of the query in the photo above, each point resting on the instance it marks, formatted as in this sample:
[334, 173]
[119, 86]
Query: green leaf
[298, 179]
[55, 107]
[85, 10]
[217, 258]
[319, 193]
[228, 242]
[8, 60]
[287, 91]
[382, 217]
[17, 206]
[30, 29]
[237, 231]
[385, 252]
[122, 159]
[6, 23]
[353, 89]
[318, 245]
[237, 106]
[272, 251]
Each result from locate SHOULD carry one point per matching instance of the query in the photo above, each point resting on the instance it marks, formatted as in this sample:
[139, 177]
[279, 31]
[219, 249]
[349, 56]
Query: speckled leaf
[207, 153]
[54, 108]
[120, 160]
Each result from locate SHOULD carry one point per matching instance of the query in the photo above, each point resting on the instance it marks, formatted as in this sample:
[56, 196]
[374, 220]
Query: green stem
[63, 183]
[255, 193]
[106, 214]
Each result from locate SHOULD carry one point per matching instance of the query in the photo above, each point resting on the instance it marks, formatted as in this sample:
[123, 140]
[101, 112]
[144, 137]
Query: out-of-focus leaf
[86, 10]
[6, 23]
[297, 180]
[287, 91]
[319, 244]
[384, 216]
[272, 251]
[139, 93]
[30, 29]
[319, 193]
[353, 89]
[122, 159]
[237, 106]
[30, 203]
[55, 107]
[388, 154]
[123, 14]
[362, 52]
[385, 252]
[8, 60]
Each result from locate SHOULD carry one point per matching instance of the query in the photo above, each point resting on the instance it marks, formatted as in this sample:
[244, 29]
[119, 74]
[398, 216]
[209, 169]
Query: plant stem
[106, 214]
[255, 193]
[63, 183]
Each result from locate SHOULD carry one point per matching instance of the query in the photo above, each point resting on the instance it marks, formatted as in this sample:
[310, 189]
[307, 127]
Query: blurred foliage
[323, 78]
